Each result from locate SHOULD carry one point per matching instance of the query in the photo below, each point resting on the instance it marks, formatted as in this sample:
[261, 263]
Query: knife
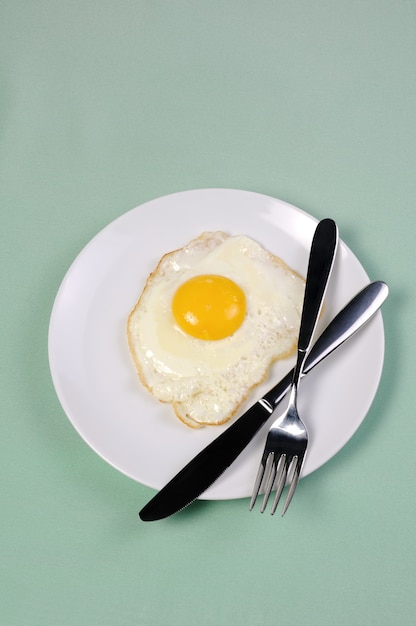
[204, 469]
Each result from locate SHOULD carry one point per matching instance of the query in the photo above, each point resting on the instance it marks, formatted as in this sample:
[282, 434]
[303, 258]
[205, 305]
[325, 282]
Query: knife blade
[206, 467]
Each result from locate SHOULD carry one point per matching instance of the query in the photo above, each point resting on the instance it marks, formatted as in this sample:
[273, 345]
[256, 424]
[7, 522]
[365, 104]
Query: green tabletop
[105, 105]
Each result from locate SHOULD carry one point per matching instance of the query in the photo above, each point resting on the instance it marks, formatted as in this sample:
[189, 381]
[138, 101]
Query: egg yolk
[209, 307]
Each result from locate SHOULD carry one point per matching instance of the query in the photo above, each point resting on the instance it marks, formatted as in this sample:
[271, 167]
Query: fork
[287, 439]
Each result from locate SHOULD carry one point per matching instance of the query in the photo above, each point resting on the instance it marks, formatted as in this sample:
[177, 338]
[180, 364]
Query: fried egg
[211, 319]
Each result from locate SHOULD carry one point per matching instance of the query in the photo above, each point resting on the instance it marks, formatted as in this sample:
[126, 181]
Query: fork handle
[321, 260]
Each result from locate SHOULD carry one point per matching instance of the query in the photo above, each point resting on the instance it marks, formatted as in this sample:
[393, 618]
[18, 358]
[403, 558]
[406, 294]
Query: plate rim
[125, 216]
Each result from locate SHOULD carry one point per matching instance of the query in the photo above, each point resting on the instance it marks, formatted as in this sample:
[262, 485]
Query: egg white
[206, 381]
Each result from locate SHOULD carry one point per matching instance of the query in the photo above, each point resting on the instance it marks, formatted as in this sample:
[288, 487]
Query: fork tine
[263, 471]
[281, 481]
[294, 483]
[256, 487]
[269, 479]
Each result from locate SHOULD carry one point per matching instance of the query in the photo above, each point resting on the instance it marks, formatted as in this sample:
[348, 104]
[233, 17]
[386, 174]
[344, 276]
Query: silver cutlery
[210, 463]
[287, 439]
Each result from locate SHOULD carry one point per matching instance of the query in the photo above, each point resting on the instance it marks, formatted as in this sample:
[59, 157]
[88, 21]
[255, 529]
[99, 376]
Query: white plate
[93, 373]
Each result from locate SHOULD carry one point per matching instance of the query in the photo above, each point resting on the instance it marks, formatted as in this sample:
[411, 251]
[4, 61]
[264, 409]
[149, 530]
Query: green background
[106, 104]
